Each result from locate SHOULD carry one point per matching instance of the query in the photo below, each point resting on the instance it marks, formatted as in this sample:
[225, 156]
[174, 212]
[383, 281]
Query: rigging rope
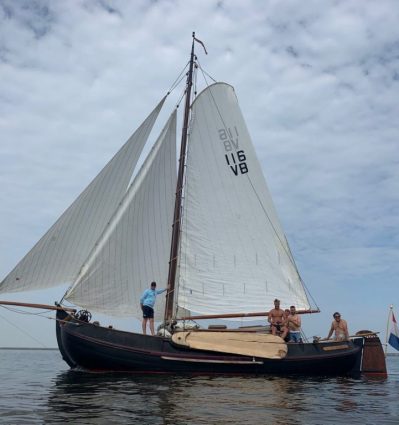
[21, 330]
[203, 74]
[39, 314]
[181, 98]
[179, 78]
[17, 310]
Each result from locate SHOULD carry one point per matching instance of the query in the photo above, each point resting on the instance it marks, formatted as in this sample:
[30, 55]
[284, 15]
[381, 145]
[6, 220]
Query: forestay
[234, 254]
[58, 256]
[134, 249]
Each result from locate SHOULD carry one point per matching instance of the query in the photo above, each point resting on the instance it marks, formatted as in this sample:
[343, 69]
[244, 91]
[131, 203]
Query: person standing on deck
[276, 318]
[294, 325]
[147, 302]
[340, 327]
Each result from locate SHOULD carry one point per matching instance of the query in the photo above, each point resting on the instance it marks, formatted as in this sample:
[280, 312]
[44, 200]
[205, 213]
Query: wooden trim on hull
[193, 360]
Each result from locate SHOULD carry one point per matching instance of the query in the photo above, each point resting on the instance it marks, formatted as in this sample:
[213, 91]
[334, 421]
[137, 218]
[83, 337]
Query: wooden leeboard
[245, 343]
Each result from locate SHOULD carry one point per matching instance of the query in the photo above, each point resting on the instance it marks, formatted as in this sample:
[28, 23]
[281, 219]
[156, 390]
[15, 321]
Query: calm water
[36, 387]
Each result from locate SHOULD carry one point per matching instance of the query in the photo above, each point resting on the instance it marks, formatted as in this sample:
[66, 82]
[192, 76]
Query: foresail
[58, 256]
[234, 254]
[134, 249]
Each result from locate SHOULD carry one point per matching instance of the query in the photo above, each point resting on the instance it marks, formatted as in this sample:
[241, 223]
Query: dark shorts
[148, 312]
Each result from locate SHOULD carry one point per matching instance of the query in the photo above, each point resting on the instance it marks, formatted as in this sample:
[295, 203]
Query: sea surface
[36, 387]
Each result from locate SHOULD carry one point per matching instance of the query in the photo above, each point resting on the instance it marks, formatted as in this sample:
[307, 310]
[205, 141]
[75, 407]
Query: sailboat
[206, 227]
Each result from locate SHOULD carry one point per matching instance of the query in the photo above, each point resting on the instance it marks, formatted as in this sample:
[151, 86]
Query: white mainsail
[134, 249]
[234, 255]
[58, 256]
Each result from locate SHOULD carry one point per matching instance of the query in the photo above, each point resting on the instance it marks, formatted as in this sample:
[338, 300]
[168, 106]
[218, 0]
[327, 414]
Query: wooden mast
[174, 249]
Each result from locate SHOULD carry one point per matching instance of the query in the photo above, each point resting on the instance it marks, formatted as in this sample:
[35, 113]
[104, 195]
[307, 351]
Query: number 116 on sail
[235, 160]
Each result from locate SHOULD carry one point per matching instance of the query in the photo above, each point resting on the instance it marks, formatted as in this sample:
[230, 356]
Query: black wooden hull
[95, 348]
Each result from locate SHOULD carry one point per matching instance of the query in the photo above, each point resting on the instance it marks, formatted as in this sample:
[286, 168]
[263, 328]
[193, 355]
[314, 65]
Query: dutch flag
[394, 336]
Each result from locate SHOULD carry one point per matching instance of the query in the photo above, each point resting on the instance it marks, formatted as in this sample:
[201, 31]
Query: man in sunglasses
[339, 327]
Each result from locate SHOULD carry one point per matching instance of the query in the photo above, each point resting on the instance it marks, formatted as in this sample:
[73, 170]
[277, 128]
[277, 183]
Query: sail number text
[235, 157]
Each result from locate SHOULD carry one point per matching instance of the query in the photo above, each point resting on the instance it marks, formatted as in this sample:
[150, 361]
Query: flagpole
[386, 335]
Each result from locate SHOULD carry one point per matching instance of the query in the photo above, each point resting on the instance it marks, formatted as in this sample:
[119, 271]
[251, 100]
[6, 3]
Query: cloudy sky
[318, 84]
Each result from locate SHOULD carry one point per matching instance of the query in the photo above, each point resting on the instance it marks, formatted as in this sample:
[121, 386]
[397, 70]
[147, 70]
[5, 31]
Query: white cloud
[317, 82]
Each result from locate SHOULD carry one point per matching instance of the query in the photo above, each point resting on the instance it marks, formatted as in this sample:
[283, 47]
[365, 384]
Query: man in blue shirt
[147, 302]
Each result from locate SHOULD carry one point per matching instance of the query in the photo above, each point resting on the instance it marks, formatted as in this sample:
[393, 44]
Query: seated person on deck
[276, 318]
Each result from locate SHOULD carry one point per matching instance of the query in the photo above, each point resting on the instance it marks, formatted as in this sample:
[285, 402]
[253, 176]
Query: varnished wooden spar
[232, 315]
[41, 306]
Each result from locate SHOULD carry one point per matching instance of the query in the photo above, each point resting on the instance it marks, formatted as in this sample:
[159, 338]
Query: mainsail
[134, 248]
[234, 255]
[58, 256]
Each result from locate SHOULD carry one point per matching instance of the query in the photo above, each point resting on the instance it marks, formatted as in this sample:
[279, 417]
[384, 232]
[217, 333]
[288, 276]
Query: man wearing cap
[340, 327]
[147, 302]
[276, 318]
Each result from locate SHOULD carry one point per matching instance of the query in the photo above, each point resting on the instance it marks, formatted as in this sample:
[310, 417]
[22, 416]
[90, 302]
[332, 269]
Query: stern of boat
[373, 357]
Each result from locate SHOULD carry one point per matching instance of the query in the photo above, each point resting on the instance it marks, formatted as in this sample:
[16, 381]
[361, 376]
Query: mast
[179, 189]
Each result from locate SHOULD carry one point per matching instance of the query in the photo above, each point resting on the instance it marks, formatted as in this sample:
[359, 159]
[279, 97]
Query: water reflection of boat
[120, 398]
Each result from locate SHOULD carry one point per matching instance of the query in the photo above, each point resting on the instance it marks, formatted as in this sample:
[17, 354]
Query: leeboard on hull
[243, 343]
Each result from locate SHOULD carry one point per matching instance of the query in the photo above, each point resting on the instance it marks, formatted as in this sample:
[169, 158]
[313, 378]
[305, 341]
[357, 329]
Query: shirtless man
[294, 325]
[276, 318]
[340, 327]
